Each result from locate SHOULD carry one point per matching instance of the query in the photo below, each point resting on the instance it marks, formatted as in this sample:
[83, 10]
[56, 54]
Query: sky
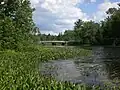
[55, 16]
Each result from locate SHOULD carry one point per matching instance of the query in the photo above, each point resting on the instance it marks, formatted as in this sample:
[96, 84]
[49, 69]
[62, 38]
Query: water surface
[102, 66]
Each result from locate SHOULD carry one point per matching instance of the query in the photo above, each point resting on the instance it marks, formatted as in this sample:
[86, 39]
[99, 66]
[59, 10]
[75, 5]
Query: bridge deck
[54, 41]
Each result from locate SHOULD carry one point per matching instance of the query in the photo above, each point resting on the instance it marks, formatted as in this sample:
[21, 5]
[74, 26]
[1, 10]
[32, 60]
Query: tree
[18, 15]
[35, 35]
[78, 24]
[35, 31]
[90, 29]
[8, 38]
[111, 11]
[59, 37]
[78, 30]
[86, 32]
[112, 26]
[68, 35]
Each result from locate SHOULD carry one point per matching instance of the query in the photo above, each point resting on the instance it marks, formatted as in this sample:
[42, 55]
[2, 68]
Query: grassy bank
[19, 69]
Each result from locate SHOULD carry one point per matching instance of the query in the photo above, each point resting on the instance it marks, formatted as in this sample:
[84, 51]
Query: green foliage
[111, 26]
[68, 35]
[15, 23]
[35, 35]
[44, 37]
[19, 67]
[87, 32]
[19, 70]
[8, 35]
[78, 24]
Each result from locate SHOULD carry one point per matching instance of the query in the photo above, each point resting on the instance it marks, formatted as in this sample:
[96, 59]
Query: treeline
[16, 25]
[17, 28]
[106, 32]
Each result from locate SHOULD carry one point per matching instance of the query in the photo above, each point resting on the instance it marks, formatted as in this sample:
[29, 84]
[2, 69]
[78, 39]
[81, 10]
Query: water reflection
[112, 62]
[113, 70]
[104, 66]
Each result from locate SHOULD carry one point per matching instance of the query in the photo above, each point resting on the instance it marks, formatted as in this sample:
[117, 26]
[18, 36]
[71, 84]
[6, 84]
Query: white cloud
[106, 0]
[102, 8]
[54, 16]
[49, 32]
[57, 15]
[105, 6]
[93, 0]
[87, 1]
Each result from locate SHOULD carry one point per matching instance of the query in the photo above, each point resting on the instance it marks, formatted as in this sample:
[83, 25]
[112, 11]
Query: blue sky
[90, 8]
[54, 16]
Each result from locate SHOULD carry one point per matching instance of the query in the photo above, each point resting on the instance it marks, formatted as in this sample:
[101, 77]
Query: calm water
[102, 66]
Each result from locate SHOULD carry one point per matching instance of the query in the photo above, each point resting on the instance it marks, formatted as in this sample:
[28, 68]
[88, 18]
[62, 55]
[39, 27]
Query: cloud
[49, 32]
[54, 16]
[89, 1]
[93, 0]
[57, 15]
[102, 8]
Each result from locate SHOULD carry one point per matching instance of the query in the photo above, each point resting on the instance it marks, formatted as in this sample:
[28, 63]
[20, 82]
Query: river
[102, 66]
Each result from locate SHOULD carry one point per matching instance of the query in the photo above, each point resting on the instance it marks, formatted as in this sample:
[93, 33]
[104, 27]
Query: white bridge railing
[54, 41]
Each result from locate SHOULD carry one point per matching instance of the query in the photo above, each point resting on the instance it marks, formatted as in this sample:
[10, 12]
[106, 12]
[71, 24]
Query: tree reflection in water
[112, 62]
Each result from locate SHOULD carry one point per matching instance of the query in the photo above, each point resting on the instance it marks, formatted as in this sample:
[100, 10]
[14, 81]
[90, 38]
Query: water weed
[19, 69]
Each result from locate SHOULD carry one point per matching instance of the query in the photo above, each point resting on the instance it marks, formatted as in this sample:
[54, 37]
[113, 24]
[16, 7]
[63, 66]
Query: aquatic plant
[19, 69]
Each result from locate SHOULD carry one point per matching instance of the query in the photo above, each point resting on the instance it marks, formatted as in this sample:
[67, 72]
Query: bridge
[63, 43]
